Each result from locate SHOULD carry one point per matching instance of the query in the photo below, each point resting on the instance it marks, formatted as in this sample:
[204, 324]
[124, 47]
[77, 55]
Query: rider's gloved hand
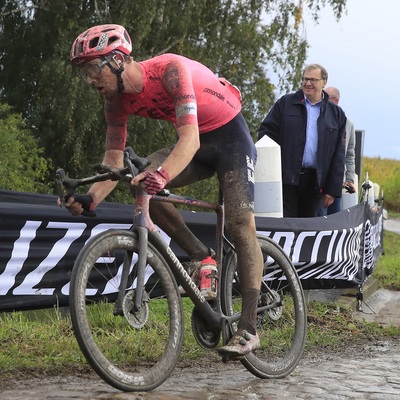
[85, 200]
[155, 181]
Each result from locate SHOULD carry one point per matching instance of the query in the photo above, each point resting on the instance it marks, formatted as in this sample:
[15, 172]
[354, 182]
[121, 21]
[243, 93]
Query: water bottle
[209, 278]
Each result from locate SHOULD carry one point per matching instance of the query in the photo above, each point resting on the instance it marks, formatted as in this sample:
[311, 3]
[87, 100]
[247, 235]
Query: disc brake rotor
[137, 319]
[276, 312]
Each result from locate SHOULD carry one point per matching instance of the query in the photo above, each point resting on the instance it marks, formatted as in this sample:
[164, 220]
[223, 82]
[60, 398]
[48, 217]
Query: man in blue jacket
[311, 133]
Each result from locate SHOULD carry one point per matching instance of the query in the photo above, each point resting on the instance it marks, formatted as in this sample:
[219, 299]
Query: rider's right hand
[78, 203]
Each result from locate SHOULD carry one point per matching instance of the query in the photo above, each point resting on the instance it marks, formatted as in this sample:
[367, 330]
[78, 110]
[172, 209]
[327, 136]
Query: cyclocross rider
[212, 138]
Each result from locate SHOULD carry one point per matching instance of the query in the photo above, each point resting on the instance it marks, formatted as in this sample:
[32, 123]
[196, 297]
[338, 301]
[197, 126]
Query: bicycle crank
[205, 338]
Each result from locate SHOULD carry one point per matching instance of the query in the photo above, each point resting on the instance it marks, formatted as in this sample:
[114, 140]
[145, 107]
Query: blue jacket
[286, 125]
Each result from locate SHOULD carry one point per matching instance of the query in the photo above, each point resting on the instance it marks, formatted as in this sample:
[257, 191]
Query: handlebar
[133, 166]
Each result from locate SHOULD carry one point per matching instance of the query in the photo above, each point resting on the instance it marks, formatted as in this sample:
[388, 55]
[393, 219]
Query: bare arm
[183, 152]
[100, 190]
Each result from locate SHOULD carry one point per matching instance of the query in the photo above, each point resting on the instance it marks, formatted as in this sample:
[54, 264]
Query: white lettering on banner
[95, 231]
[288, 237]
[368, 245]
[317, 243]
[18, 256]
[58, 251]
[113, 284]
[105, 227]
[338, 258]
[299, 245]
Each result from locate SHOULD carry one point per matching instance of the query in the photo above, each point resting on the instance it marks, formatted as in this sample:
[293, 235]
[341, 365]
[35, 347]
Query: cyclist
[212, 137]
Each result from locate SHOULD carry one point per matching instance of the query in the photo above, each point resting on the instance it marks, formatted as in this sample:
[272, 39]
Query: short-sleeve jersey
[175, 89]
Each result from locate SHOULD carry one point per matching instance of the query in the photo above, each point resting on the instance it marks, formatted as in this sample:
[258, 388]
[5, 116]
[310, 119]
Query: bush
[22, 165]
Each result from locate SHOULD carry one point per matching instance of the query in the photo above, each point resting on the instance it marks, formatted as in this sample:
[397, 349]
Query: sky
[362, 55]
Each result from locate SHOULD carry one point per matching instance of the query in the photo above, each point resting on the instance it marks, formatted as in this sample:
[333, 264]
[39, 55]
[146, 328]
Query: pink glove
[155, 181]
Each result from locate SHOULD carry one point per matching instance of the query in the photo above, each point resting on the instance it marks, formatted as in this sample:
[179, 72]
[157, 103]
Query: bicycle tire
[132, 351]
[282, 330]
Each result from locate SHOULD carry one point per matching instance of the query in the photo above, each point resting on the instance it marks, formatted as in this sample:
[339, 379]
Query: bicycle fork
[142, 228]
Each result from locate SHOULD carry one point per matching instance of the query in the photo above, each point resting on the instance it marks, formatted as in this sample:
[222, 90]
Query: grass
[387, 270]
[386, 173]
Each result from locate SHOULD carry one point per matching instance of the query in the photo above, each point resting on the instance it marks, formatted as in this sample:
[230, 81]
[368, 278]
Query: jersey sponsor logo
[186, 96]
[250, 169]
[186, 109]
[214, 93]
[231, 105]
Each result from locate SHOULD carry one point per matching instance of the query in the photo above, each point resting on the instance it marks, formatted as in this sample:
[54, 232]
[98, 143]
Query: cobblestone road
[368, 371]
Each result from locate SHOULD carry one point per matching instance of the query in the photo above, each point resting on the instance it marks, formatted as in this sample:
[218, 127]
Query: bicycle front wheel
[283, 327]
[132, 350]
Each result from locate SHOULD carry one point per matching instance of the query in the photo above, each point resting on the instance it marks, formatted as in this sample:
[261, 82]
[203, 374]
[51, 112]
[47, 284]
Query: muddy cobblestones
[363, 371]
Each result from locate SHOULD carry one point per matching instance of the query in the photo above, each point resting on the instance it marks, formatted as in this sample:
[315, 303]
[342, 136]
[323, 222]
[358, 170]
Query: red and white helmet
[98, 41]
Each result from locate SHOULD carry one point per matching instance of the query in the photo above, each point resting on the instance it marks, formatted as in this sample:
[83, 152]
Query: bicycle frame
[211, 311]
[146, 230]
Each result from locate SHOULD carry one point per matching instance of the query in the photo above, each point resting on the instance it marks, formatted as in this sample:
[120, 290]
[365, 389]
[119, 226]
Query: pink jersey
[175, 89]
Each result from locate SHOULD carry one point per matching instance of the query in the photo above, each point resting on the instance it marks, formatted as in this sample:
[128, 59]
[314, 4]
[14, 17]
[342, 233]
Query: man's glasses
[311, 80]
[90, 70]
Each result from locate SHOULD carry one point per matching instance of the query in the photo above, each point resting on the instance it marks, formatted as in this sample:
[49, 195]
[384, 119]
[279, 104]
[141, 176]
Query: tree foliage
[22, 165]
[242, 40]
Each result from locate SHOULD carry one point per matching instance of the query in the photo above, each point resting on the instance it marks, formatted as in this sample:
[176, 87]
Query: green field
[386, 173]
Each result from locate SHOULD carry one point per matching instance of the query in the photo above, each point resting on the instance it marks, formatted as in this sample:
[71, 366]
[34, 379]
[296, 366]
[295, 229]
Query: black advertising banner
[40, 241]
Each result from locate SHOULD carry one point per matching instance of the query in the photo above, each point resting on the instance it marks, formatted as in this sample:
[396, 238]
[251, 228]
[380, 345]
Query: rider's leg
[171, 222]
[166, 215]
[231, 151]
[240, 224]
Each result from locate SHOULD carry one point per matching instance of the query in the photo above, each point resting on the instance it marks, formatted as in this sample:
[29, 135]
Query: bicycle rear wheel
[283, 328]
[132, 351]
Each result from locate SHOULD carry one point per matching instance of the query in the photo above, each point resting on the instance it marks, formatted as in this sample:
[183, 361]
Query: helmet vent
[127, 38]
[112, 39]
[79, 48]
[93, 42]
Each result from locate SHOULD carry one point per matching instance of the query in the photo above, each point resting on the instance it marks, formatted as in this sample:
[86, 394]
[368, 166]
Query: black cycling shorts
[229, 152]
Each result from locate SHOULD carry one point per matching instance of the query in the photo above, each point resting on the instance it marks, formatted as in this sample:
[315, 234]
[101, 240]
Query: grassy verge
[387, 270]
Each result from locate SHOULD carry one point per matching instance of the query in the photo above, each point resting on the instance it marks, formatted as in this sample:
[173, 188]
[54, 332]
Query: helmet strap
[117, 71]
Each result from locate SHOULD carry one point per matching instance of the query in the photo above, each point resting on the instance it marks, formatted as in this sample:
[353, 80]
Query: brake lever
[60, 184]
[60, 175]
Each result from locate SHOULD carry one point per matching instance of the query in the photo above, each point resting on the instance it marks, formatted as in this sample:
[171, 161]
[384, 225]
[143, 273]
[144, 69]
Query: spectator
[310, 131]
[350, 158]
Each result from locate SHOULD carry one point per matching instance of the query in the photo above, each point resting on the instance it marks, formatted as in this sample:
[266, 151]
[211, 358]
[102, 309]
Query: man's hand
[78, 203]
[349, 186]
[152, 181]
[327, 200]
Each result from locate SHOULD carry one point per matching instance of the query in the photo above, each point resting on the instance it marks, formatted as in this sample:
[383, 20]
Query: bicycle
[124, 297]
